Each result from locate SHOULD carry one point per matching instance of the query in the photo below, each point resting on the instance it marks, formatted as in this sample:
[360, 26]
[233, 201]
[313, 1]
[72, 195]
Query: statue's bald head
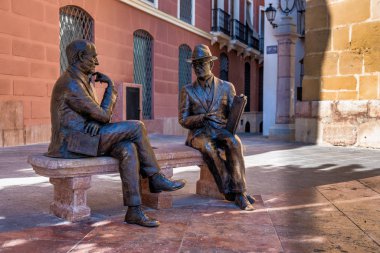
[75, 47]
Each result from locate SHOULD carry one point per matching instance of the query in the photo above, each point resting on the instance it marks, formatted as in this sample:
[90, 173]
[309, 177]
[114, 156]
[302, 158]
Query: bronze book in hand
[236, 111]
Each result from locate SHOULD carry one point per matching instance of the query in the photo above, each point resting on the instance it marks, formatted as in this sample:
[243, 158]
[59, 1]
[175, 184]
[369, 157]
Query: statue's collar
[79, 74]
[208, 82]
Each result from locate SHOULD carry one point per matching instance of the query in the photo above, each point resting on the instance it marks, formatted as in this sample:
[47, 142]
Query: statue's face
[89, 60]
[202, 69]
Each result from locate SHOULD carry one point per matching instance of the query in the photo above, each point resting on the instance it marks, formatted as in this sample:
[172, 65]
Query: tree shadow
[318, 61]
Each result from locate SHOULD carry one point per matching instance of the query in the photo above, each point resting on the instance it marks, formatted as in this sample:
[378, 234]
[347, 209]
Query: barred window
[75, 23]
[142, 68]
[224, 67]
[184, 68]
[186, 11]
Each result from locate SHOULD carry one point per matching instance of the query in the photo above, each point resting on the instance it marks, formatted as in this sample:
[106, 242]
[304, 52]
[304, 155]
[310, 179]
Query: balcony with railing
[233, 34]
[261, 44]
[251, 39]
[238, 31]
[220, 21]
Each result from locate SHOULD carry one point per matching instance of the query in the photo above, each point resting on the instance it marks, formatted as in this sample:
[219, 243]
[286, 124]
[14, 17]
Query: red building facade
[138, 41]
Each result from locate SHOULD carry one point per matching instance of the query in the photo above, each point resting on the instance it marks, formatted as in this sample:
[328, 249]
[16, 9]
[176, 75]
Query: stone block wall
[341, 88]
[340, 123]
[342, 50]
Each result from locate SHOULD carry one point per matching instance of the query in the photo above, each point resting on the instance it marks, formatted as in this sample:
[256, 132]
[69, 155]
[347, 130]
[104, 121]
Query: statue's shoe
[251, 199]
[135, 215]
[229, 196]
[159, 183]
[243, 203]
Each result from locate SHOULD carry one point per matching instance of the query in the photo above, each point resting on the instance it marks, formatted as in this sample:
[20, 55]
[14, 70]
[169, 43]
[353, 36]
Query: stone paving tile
[306, 220]
[40, 246]
[297, 240]
[359, 202]
[350, 191]
[373, 183]
[47, 239]
[232, 237]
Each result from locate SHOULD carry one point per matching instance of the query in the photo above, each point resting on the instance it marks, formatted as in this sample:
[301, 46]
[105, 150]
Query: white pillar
[285, 95]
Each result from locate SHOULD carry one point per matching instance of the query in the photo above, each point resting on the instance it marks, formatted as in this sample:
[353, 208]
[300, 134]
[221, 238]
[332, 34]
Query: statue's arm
[109, 98]
[80, 101]
[110, 94]
[185, 119]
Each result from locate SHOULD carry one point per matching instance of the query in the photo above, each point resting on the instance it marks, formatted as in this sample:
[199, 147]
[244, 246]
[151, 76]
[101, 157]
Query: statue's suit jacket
[73, 102]
[193, 106]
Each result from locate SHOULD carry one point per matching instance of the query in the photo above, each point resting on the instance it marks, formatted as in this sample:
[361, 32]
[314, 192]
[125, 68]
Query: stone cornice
[147, 8]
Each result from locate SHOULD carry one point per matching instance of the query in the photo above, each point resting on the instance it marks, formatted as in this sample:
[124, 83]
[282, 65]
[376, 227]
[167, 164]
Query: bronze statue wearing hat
[204, 108]
[75, 111]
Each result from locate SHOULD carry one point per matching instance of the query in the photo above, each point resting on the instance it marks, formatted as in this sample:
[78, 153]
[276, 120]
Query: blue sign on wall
[271, 49]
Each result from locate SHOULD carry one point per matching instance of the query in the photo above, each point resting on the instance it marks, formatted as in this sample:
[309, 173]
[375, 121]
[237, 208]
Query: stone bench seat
[174, 156]
[71, 178]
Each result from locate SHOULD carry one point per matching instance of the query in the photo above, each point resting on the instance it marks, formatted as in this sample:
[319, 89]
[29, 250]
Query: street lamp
[270, 13]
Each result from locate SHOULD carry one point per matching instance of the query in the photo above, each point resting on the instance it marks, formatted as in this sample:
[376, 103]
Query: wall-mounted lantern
[270, 13]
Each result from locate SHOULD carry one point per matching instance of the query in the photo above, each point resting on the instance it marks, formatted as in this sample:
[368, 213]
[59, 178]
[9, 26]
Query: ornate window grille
[143, 69]
[224, 66]
[75, 23]
[247, 85]
[186, 10]
[184, 68]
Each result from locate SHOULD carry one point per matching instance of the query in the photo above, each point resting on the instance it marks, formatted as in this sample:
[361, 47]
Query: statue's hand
[92, 128]
[100, 77]
[209, 115]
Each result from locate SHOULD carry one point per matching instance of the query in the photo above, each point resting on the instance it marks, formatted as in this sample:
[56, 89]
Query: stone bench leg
[70, 198]
[206, 184]
[160, 200]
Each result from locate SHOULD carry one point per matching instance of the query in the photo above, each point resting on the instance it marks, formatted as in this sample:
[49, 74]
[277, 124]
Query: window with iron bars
[184, 68]
[186, 11]
[75, 23]
[143, 68]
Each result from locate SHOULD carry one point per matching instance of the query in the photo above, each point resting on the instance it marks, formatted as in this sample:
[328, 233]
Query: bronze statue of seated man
[204, 108]
[74, 108]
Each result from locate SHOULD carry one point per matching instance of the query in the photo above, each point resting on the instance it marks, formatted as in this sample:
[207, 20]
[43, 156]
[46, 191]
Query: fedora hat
[201, 53]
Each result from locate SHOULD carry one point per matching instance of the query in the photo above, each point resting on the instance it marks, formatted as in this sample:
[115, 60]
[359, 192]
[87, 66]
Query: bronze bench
[71, 178]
